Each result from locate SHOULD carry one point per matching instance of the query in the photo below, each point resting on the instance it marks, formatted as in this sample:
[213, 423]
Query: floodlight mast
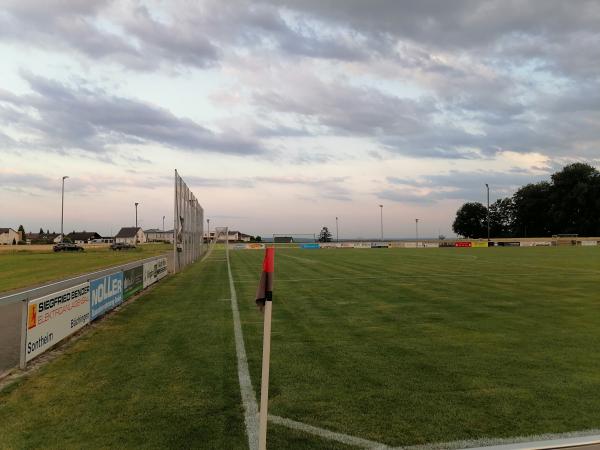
[488, 211]
[62, 208]
[417, 230]
[381, 220]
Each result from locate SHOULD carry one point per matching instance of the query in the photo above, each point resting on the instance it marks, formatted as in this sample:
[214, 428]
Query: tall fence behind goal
[188, 226]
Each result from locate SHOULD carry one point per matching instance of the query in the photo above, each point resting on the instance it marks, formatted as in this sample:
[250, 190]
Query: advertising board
[362, 245]
[347, 245]
[462, 244]
[133, 281]
[105, 294]
[154, 271]
[238, 247]
[479, 244]
[255, 246]
[53, 317]
[509, 244]
[589, 243]
[309, 246]
[380, 244]
[431, 245]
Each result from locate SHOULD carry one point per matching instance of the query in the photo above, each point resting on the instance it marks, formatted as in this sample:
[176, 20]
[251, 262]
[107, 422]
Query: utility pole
[337, 231]
[208, 232]
[163, 224]
[62, 208]
[417, 229]
[381, 219]
[488, 211]
[136, 222]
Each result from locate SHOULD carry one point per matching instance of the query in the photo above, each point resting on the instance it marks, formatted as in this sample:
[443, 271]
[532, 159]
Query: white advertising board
[154, 271]
[536, 244]
[53, 317]
[589, 243]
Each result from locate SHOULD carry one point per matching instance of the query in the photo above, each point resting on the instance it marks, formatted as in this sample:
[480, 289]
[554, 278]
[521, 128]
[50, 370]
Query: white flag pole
[264, 387]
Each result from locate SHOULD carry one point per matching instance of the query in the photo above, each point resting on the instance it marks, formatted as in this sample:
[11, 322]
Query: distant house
[241, 237]
[232, 236]
[83, 237]
[103, 240]
[130, 235]
[8, 236]
[42, 238]
[155, 235]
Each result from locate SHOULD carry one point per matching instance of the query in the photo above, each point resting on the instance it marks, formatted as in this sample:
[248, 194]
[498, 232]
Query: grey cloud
[84, 185]
[458, 185]
[353, 110]
[91, 120]
[465, 23]
[405, 197]
[139, 42]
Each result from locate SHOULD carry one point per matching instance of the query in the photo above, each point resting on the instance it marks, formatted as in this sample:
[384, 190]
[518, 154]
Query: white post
[264, 387]
[175, 223]
[24, 314]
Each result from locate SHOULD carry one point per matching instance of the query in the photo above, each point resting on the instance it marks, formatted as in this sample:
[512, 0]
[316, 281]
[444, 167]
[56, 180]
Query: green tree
[574, 202]
[470, 221]
[531, 210]
[41, 232]
[324, 235]
[22, 231]
[501, 218]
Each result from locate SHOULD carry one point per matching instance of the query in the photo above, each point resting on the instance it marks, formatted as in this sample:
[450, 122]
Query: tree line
[569, 203]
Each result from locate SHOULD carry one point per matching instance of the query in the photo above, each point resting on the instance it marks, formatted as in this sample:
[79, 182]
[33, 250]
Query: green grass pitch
[399, 346]
[410, 347]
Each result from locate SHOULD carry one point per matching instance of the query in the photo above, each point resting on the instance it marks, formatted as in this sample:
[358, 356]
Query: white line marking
[300, 258]
[248, 396]
[537, 442]
[331, 435]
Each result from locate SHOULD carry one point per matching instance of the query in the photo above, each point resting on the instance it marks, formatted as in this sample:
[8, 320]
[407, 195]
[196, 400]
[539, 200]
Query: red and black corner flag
[264, 293]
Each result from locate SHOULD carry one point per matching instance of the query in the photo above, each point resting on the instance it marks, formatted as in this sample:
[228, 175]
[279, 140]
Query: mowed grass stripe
[434, 359]
[161, 373]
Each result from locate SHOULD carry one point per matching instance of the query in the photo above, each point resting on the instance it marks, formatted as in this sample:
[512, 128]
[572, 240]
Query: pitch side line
[331, 435]
[246, 389]
[536, 442]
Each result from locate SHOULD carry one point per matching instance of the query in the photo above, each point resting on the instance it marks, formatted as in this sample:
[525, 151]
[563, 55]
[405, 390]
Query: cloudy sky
[282, 115]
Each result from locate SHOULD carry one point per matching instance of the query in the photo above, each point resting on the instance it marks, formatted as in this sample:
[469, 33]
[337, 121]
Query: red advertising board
[462, 244]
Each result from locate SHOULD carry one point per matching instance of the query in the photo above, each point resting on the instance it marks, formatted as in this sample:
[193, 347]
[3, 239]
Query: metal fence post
[24, 312]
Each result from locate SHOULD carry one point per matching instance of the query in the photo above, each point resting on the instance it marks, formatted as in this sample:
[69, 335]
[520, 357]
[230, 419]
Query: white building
[130, 235]
[232, 236]
[8, 236]
[155, 235]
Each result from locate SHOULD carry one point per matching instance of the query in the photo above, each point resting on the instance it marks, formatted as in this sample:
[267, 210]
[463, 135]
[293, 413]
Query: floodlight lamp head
[65, 177]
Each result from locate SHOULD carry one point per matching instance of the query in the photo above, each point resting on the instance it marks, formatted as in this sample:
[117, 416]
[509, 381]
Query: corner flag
[264, 297]
[264, 292]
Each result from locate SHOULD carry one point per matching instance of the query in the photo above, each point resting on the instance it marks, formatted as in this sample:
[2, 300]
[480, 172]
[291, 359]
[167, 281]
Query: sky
[283, 115]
